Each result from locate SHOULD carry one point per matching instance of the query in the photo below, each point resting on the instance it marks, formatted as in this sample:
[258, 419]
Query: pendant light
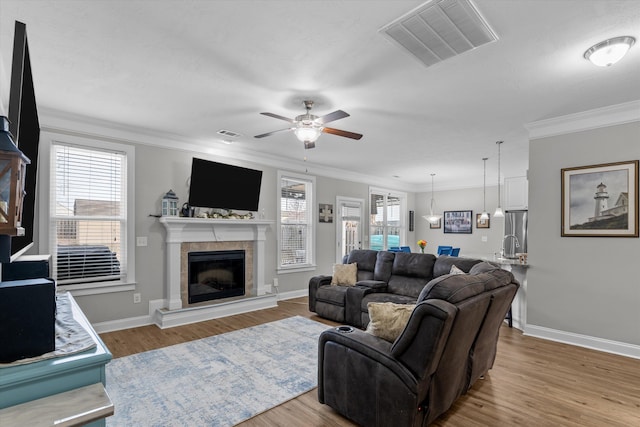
[432, 217]
[484, 215]
[498, 213]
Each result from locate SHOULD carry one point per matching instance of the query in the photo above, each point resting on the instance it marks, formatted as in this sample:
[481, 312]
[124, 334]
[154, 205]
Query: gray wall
[159, 169]
[466, 199]
[583, 285]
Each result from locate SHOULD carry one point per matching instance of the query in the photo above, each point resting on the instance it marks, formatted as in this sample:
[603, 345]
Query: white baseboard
[117, 325]
[293, 294]
[594, 343]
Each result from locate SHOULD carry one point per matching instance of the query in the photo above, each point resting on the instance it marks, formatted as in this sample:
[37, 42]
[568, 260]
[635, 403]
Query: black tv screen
[25, 128]
[222, 186]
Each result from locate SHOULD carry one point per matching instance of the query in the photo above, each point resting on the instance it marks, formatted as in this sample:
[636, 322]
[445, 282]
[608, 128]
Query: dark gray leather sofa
[449, 342]
[397, 277]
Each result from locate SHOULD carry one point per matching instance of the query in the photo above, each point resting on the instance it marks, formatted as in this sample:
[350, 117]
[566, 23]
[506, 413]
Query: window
[90, 215]
[387, 229]
[296, 222]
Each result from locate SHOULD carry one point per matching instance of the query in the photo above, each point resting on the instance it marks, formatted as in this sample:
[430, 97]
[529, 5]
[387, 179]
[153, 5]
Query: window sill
[300, 269]
[82, 289]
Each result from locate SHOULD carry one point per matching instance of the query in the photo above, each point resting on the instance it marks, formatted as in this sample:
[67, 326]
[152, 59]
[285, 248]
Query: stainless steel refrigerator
[515, 233]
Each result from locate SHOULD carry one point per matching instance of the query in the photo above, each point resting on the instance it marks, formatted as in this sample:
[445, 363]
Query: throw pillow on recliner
[387, 320]
[344, 274]
[456, 270]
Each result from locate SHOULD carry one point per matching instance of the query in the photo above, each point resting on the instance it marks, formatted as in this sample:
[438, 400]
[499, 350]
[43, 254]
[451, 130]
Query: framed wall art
[600, 200]
[435, 225]
[325, 213]
[483, 223]
[458, 222]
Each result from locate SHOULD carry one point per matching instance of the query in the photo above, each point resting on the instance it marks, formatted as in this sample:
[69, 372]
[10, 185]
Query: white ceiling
[191, 68]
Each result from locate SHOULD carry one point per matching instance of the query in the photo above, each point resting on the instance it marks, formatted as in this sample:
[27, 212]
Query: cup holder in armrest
[344, 329]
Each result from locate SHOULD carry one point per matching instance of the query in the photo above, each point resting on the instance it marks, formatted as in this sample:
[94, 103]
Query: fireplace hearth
[215, 274]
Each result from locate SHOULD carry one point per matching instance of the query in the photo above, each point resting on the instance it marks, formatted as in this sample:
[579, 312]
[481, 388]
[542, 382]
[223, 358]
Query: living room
[580, 290]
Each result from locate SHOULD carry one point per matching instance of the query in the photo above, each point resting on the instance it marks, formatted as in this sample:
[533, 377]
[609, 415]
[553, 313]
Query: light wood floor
[533, 382]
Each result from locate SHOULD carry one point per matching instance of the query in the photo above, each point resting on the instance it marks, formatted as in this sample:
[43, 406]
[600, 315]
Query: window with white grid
[88, 214]
[386, 225]
[295, 221]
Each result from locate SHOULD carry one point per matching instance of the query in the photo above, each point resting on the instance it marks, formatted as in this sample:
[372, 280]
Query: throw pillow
[387, 320]
[456, 270]
[483, 267]
[345, 274]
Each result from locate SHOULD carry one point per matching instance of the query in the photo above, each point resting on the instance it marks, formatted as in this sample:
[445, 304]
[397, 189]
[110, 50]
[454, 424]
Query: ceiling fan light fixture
[307, 132]
[610, 51]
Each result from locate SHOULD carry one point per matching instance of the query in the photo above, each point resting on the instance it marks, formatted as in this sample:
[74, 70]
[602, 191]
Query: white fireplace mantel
[181, 230]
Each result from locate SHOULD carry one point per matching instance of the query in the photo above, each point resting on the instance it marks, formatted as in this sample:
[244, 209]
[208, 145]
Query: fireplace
[215, 274]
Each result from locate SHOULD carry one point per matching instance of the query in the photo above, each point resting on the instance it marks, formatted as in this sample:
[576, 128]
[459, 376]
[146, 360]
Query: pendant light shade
[484, 215]
[432, 217]
[498, 213]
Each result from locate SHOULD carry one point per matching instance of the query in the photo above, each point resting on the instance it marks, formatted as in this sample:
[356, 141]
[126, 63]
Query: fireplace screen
[216, 274]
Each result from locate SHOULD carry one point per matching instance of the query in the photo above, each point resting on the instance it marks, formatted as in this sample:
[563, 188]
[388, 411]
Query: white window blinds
[296, 222]
[88, 214]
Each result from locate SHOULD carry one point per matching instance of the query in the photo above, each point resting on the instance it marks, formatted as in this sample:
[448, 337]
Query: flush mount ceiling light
[610, 51]
[432, 217]
[498, 213]
[484, 215]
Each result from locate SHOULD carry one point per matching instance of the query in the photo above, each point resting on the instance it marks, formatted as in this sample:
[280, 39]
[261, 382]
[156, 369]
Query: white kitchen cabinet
[516, 191]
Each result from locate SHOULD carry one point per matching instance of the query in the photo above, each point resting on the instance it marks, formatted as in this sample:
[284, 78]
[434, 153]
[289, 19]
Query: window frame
[126, 283]
[403, 209]
[310, 181]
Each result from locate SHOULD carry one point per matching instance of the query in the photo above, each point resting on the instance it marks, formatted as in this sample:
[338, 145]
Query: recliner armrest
[375, 285]
[354, 298]
[314, 283]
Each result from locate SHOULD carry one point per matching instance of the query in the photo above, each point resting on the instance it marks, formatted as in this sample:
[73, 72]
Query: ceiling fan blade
[262, 135]
[344, 133]
[338, 114]
[277, 116]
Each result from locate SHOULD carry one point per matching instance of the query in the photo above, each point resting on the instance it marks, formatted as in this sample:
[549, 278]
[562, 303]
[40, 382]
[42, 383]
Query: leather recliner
[449, 342]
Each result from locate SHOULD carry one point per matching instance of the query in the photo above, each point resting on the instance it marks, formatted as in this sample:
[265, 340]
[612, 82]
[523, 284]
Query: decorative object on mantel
[422, 244]
[432, 217]
[223, 214]
[170, 204]
[498, 213]
[613, 187]
[13, 165]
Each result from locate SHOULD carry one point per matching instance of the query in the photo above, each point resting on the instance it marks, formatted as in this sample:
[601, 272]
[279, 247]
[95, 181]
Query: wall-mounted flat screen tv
[25, 128]
[222, 186]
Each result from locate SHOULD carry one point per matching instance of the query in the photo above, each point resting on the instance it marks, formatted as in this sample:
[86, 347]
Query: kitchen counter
[519, 271]
[497, 259]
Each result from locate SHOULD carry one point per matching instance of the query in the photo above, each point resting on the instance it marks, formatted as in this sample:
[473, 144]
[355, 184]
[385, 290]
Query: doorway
[348, 225]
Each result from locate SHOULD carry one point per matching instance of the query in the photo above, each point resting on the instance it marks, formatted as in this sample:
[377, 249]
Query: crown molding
[585, 120]
[56, 121]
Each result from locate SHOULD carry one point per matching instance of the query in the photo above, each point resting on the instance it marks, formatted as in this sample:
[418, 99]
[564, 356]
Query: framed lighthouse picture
[600, 200]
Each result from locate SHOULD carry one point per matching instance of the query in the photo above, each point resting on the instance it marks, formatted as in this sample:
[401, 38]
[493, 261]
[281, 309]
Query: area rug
[216, 381]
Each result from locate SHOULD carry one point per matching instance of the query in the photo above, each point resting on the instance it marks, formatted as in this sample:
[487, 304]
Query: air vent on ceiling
[229, 133]
[440, 29]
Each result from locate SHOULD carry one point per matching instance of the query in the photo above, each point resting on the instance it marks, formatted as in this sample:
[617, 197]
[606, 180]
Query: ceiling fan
[308, 127]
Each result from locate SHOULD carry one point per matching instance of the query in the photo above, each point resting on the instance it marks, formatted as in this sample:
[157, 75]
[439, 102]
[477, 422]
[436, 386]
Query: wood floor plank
[533, 382]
